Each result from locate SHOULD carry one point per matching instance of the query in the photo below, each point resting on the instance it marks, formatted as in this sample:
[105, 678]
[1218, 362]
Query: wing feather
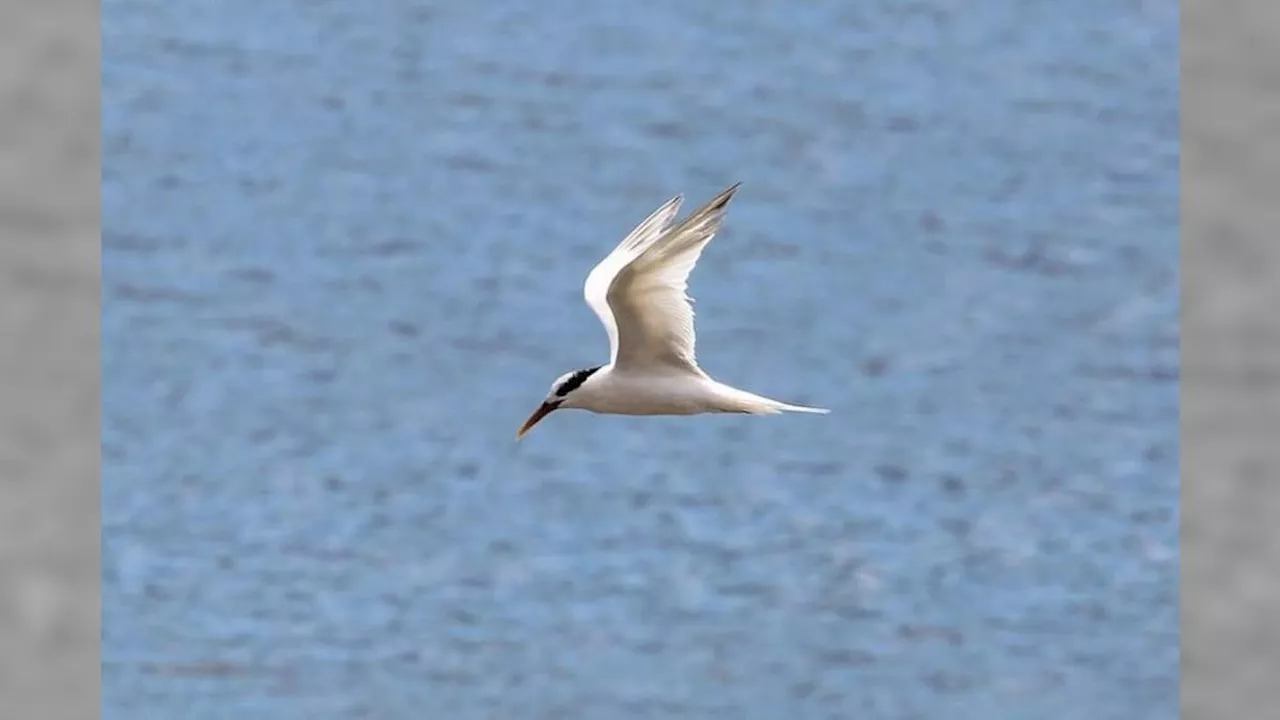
[596, 289]
[651, 311]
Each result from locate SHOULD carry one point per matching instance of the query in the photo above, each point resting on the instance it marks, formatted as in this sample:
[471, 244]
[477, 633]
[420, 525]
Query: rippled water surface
[343, 253]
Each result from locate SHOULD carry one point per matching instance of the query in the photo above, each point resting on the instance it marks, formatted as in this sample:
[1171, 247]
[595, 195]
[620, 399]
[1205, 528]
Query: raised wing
[649, 313]
[596, 289]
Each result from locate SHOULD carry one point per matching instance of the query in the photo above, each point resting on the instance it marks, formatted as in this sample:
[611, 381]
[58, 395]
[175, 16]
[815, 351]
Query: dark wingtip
[726, 195]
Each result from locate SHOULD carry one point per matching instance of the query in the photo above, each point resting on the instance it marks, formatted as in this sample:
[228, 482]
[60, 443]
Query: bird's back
[673, 393]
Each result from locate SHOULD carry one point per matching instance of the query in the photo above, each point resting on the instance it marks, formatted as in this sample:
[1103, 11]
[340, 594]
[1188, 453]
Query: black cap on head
[575, 381]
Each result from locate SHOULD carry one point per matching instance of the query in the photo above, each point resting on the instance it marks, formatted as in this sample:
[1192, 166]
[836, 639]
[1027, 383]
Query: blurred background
[343, 255]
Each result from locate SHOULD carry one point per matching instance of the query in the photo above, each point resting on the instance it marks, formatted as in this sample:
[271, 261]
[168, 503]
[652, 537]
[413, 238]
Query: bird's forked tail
[803, 409]
[741, 401]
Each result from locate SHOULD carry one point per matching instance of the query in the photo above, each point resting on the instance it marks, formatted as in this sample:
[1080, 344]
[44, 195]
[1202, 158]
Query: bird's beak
[543, 410]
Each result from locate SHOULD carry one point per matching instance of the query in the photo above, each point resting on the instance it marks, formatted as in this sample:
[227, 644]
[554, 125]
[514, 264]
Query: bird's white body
[620, 392]
[639, 293]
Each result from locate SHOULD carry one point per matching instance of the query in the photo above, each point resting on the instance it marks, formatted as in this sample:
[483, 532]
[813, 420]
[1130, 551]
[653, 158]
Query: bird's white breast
[628, 393]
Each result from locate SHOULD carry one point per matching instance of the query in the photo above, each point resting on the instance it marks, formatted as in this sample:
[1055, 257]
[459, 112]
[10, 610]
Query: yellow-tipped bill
[543, 410]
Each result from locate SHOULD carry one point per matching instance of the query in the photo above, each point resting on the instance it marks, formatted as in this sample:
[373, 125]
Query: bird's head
[561, 395]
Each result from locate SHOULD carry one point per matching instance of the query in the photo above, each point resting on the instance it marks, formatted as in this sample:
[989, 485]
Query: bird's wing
[645, 304]
[596, 290]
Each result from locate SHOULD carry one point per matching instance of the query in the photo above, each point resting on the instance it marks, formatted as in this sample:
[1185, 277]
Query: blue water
[343, 251]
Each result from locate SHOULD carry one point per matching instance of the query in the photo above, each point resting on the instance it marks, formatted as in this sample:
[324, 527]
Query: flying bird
[639, 293]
